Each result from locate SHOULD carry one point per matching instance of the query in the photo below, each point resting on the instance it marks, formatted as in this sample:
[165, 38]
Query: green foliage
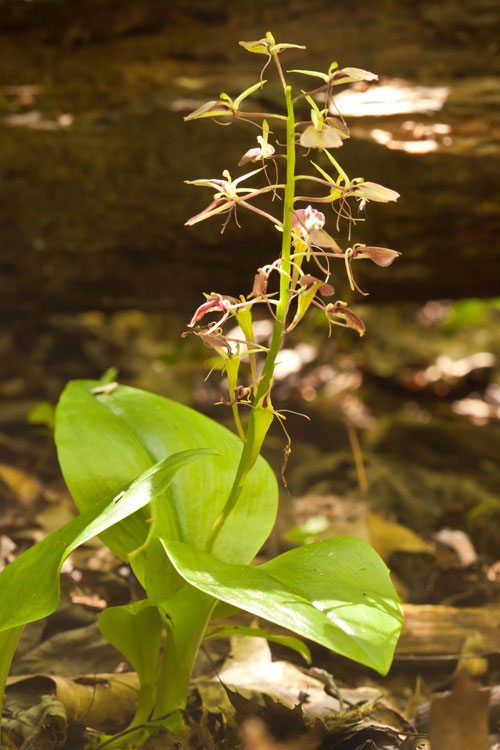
[337, 592]
[188, 503]
[469, 313]
[29, 586]
[105, 440]
[135, 630]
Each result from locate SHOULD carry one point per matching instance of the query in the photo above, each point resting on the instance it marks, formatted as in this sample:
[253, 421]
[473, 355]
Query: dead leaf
[42, 726]
[26, 487]
[71, 652]
[105, 702]
[459, 718]
[348, 517]
[388, 536]
[7, 547]
[251, 671]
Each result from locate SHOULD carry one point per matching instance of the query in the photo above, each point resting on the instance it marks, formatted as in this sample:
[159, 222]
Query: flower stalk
[303, 241]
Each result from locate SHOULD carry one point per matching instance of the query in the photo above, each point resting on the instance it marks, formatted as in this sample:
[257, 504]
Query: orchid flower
[335, 77]
[224, 105]
[264, 151]
[325, 131]
[371, 191]
[339, 314]
[307, 226]
[382, 256]
[343, 187]
[216, 302]
[228, 197]
[268, 46]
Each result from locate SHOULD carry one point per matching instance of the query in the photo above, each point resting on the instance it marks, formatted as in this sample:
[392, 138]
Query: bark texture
[94, 150]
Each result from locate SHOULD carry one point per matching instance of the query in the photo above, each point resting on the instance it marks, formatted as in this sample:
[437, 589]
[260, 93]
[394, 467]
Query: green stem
[191, 611]
[255, 436]
[136, 726]
[276, 59]
[237, 420]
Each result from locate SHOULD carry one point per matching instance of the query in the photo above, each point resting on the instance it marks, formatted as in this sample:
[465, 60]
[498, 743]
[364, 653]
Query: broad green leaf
[187, 613]
[336, 592]
[226, 631]
[135, 630]
[105, 440]
[155, 571]
[29, 586]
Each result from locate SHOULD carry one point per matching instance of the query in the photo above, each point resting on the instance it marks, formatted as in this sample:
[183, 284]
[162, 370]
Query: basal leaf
[105, 440]
[336, 592]
[29, 586]
[135, 630]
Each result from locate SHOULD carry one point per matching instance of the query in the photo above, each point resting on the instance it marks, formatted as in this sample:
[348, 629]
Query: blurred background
[97, 270]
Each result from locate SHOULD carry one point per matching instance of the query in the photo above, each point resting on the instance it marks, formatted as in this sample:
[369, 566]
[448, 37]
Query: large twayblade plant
[188, 503]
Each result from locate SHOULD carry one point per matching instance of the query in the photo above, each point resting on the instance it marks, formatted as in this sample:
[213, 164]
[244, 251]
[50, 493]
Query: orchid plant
[304, 240]
[188, 503]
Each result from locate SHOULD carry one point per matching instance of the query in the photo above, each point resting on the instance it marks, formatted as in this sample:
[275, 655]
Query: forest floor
[402, 450]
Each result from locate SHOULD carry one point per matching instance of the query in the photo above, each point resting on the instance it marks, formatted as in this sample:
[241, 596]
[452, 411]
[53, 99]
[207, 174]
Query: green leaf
[104, 441]
[29, 586]
[155, 571]
[336, 592]
[226, 631]
[135, 630]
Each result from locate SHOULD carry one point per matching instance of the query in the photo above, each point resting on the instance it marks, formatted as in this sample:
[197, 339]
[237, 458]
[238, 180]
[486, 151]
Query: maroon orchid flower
[382, 256]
